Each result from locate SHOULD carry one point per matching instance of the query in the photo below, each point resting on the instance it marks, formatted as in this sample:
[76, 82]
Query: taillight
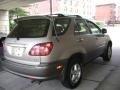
[41, 49]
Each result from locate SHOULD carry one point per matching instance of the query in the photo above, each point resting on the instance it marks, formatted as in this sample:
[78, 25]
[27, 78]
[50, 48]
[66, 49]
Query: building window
[76, 10]
[71, 10]
[71, 2]
[65, 2]
[83, 12]
[65, 9]
[84, 5]
[76, 4]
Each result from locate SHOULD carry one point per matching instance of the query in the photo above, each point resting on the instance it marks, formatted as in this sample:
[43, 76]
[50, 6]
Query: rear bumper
[42, 72]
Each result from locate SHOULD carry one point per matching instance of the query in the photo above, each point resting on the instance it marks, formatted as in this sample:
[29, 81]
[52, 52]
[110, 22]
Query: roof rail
[62, 15]
[59, 15]
[76, 16]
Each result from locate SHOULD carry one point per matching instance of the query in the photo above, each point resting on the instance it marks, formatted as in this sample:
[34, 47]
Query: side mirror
[104, 30]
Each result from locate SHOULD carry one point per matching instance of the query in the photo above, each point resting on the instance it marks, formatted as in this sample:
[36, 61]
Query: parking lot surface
[98, 75]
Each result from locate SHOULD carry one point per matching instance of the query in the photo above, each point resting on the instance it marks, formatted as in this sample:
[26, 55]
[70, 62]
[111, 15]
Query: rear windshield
[30, 28]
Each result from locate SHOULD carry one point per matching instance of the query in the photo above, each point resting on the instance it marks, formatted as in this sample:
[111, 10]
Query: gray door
[84, 39]
[100, 38]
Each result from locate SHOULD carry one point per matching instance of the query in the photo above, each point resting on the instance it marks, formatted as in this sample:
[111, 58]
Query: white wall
[85, 8]
[4, 21]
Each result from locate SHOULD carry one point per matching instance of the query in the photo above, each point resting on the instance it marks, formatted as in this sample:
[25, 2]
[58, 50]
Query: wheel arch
[109, 43]
[79, 55]
[65, 72]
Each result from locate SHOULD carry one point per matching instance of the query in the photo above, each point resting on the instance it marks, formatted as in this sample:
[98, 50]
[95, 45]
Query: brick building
[106, 12]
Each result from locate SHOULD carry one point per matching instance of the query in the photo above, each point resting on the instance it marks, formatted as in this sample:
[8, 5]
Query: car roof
[48, 17]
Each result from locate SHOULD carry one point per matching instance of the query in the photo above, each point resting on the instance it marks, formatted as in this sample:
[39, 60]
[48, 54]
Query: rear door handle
[96, 38]
[80, 40]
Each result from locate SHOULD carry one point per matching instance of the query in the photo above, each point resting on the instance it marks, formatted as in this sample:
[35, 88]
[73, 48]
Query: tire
[73, 74]
[107, 54]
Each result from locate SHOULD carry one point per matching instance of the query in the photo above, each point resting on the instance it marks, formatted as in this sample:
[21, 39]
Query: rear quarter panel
[64, 48]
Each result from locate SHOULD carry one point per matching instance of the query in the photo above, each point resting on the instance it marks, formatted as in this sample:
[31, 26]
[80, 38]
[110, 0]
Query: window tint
[61, 25]
[30, 28]
[80, 27]
[94, 28]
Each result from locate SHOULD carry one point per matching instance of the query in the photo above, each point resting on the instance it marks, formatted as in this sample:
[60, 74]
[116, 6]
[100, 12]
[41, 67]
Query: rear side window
[30, 28]
[61, 25]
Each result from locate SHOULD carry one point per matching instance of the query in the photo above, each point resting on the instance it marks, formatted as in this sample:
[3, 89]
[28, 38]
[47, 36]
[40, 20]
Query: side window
[80, 27]
[94, 28]
[61, 25]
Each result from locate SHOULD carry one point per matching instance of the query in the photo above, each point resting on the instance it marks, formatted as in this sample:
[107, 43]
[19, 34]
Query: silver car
[56, 46]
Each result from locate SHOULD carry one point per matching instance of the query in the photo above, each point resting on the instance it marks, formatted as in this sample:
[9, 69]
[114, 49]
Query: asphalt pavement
[98, 75]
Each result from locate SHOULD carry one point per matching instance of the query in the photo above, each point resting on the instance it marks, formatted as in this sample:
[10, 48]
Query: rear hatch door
[26, 34]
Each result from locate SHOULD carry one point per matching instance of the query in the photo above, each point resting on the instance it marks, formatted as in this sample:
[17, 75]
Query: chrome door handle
[81, 39]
